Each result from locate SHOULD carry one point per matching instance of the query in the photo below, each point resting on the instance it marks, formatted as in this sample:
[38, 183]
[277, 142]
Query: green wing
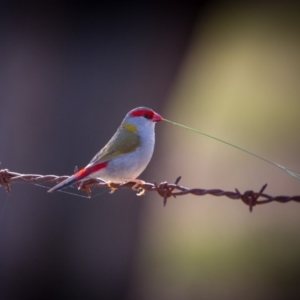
[122, 142]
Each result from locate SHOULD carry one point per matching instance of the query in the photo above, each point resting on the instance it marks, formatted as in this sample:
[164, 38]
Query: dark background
[70, 71]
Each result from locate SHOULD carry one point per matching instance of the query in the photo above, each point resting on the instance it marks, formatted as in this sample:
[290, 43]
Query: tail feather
[63, 184]
[77, 176]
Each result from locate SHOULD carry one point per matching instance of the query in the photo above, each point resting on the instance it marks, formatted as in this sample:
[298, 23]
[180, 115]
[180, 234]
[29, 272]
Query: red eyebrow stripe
[141, 112]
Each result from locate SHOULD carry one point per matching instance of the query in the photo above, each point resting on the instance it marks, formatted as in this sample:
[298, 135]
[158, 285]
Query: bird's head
[141, 118]
[144, 113]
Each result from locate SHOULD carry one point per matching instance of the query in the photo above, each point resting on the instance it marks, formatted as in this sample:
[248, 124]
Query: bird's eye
[147, 116]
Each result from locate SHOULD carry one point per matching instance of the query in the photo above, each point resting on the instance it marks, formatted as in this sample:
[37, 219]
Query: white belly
[129, 166]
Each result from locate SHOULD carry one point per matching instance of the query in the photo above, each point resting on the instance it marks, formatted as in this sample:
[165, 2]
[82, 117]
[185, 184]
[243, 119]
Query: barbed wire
[164, 189]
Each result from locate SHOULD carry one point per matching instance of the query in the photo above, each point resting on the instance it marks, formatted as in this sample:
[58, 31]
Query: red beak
[157, 118]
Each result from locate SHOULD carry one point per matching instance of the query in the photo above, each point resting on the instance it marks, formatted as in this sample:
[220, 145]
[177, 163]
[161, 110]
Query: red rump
[87, 171]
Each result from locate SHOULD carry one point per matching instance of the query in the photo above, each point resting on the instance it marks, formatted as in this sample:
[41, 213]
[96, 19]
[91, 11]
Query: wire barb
[164, 189]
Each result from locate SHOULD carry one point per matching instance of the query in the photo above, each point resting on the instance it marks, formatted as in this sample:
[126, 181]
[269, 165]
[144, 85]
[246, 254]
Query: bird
[126, 154]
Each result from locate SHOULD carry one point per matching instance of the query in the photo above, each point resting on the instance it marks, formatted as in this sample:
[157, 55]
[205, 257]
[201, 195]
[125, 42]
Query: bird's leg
[112, 189]
[141, 191]
[82, 187]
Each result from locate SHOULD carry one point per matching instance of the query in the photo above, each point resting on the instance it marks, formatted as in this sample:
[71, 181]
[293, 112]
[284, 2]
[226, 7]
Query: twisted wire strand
[164, 189]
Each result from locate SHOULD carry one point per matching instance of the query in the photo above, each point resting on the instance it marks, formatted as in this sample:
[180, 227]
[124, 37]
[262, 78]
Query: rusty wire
[164, 189]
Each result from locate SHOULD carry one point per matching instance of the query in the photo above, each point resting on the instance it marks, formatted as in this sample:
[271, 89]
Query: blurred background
[69, 74]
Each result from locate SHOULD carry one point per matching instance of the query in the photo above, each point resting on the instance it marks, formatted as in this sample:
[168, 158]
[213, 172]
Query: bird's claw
[81, 186]
[136, 187]
[141, 192]
[112, 189]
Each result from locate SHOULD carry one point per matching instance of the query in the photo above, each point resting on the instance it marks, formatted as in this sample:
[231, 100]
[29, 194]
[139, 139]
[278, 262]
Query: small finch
[127, 153]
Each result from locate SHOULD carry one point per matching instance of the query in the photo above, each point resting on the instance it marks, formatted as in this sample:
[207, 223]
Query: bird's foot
[81, 186]
[112, 189]
[141, 191]
[136, 187]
